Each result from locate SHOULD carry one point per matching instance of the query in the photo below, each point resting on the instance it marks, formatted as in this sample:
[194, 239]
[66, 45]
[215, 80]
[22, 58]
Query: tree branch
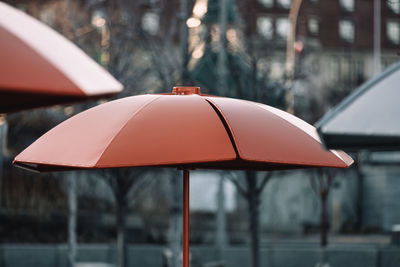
[264, 182]
[239, 187]
[313, 182]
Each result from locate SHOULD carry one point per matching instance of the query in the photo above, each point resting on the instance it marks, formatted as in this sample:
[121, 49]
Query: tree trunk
[254, 201]
[184, 45]
[175, 226]
[121, 242]
[222, 71]
[324, 226]
[72, 206]
[221, 238]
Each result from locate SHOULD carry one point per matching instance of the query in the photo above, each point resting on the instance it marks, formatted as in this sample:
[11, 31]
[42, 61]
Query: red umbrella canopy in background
[40, 67]
[183, 129]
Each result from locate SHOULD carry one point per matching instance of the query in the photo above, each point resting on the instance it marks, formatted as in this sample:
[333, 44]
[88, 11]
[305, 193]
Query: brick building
[334, 37]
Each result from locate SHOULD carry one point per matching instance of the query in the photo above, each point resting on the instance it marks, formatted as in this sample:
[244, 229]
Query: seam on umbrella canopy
[228, 129]
[68, 66]
[124, 125]
[288, 118]
[76, 164]
[339, 164]
[181, 161]
[292, 120]
[226, 125]
[304, 126]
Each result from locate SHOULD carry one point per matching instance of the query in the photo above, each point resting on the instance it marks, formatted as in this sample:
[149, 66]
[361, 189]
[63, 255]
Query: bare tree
[72, 219]
[221, 237]
[124, 182]
[251, 191]
[321, 181]
[184, 34]
[175, 225]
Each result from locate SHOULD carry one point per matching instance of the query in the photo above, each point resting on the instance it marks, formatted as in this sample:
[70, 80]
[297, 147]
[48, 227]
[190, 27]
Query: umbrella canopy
[40, 67]
[368, 118]
[186, 130]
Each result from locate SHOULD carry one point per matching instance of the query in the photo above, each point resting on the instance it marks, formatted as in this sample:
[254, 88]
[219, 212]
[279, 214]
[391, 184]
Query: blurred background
[237, 48]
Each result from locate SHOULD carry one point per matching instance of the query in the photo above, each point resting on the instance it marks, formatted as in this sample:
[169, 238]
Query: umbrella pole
[185, 238]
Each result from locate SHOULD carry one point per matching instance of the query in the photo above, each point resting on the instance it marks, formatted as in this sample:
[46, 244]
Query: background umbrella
[40, 67]
[184, 130]
[368, 118]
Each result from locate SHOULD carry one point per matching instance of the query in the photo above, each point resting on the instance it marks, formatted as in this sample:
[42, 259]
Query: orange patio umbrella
[183, 129]
[40, 67]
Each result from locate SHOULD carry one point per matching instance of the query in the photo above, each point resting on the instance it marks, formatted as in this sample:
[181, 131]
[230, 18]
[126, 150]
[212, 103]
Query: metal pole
[185, 241]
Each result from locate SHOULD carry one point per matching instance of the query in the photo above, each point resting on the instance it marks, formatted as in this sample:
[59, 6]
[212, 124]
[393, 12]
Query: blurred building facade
[336, 35]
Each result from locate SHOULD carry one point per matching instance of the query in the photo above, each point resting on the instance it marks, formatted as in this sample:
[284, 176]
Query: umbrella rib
[124, 125]
[318, 141]
[226, 126]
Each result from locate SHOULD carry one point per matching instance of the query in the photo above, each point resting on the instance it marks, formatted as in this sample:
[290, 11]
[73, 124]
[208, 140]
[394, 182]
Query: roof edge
[353, 96]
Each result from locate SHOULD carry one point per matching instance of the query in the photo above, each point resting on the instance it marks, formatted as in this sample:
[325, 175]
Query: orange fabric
[39, 67]
[136, 131]
[178, 131]
[171, 129]
[24, 70]
[262, 136]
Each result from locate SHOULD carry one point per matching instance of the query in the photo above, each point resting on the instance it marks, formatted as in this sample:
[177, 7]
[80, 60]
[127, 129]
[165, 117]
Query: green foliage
[243, 78]
[240, 79]
[212, 15]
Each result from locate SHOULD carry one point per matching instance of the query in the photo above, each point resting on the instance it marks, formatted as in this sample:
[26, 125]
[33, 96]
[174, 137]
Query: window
[151, 23]
[267, 3]
[264, 27]
[393, 31]
[347, 5]
[394, 5]
[285, 3]
[346, 30]
[282, 27]
[313, 26]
